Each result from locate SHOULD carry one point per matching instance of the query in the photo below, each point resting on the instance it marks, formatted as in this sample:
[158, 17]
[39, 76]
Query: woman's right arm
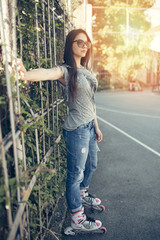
[39, 74]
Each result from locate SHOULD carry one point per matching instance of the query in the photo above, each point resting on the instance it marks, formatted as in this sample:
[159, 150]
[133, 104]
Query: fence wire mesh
[32, 166]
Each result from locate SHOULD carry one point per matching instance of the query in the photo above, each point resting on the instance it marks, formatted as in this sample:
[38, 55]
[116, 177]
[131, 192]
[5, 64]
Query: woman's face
[79, 46]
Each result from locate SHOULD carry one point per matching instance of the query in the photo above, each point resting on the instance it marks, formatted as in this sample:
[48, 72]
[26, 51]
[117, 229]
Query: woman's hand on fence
[21, 70]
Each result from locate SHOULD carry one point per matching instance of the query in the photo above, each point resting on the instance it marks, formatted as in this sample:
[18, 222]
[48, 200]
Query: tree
[120, 37]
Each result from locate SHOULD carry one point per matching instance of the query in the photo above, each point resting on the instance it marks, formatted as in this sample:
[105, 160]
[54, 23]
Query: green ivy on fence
[52, 173]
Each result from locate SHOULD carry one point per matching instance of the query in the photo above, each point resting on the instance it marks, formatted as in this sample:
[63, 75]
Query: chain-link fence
[32, 166]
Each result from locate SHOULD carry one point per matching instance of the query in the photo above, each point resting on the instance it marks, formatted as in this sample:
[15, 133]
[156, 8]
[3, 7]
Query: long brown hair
[70, 62]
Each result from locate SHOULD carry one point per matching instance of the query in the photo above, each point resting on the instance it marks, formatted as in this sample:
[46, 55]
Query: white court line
[129, 136]
[128, 113]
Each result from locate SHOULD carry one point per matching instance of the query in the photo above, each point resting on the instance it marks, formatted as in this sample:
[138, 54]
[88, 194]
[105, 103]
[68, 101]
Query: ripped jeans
[81, 162]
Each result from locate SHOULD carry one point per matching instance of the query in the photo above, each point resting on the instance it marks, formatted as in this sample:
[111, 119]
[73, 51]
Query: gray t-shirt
[82, 108]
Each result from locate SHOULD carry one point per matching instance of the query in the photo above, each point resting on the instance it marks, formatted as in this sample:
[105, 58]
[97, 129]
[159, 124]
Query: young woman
[80, 130]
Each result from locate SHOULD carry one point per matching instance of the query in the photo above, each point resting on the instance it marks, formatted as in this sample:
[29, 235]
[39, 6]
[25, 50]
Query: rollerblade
[89, 201]
[80, 224]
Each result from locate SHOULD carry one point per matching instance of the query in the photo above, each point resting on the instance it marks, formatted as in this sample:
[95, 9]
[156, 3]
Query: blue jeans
[81, 162]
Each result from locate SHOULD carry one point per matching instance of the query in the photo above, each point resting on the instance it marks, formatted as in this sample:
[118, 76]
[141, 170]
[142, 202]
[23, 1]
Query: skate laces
[91, 223]
[81, 221]
[91, 200]
[90, 219]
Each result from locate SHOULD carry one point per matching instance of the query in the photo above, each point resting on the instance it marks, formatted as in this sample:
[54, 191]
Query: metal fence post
[14, 148]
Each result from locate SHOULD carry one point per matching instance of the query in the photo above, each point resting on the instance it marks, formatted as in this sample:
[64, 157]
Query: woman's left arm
[99, 135]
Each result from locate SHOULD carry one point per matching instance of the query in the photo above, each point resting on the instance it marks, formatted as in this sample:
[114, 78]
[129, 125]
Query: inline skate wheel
[102, 208]
[103, 229]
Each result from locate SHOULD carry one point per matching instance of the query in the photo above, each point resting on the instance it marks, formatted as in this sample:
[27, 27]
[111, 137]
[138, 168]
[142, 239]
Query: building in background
[153, 68]
[152, 74]
[81, 16]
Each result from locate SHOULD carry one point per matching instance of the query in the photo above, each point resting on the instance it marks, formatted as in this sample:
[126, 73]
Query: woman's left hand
[99, 135]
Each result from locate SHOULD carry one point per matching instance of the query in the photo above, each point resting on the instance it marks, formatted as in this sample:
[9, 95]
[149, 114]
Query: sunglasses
[82, 43]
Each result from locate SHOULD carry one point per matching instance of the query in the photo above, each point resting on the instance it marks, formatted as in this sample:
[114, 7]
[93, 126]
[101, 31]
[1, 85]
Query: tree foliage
[120, 36]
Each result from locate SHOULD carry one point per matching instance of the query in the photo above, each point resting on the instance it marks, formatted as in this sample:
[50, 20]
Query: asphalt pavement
[127, 179]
